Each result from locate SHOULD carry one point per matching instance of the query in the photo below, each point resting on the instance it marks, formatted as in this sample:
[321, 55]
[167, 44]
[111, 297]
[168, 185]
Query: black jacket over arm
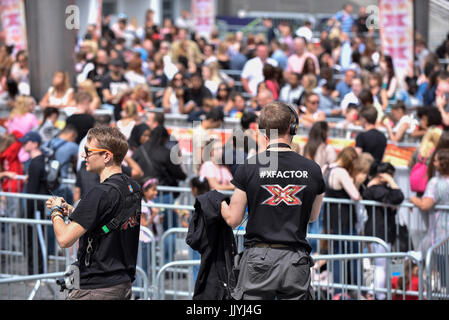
[210, 235]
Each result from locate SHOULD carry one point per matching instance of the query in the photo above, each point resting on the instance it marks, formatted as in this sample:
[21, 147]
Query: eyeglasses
[314, 102]
[90, 151]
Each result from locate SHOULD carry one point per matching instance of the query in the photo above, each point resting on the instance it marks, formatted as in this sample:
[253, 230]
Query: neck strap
[279, 145]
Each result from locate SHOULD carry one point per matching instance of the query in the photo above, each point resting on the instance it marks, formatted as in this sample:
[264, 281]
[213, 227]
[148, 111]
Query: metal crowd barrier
[437, 271]
[169, 274]
[14, 233]
[17, 286]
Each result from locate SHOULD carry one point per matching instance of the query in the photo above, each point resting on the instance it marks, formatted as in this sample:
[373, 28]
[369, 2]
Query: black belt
[271, 245]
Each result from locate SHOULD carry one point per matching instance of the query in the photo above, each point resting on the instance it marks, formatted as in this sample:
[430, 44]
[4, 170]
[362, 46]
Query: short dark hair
[216, 114]
[433, 115]
[399, 105]
[159, 117]
[70, 128]
[247, 118]
[381, 167]
[366, 97]
[369, 114]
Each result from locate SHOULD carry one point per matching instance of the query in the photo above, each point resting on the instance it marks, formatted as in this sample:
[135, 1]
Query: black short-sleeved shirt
[280, 198]
[115, 254]
[82, 122]
[86, 180]
[372, 141]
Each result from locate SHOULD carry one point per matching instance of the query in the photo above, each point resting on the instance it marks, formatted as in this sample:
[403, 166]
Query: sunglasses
[90, 151]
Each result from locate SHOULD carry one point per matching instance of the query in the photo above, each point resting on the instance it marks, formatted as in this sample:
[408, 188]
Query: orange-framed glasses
[90, 151]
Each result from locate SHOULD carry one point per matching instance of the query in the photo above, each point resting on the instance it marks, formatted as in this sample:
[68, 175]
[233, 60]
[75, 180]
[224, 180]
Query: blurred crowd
[335, 77]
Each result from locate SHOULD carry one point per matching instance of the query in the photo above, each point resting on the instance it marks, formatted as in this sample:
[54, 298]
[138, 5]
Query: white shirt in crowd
[348, 98]
[290, 95]
[253, 72]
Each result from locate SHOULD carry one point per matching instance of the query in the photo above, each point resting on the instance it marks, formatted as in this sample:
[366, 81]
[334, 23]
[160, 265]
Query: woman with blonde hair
[211, 77]
[142, 96]
[21, 118]
[309, 82]
[128, 120]
[421, 159]
[89, 87]
[60, 94]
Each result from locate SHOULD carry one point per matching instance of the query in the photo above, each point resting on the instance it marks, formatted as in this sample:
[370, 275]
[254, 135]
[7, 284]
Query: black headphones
[293, 126]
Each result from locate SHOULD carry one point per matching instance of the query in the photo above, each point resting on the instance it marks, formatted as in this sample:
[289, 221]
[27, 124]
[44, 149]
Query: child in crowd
[148, 219]
[351, 121]
[408, 282]
[382, 188]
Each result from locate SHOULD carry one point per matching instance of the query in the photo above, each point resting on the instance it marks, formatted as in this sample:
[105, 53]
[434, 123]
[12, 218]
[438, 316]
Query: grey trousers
[274, 273]
[119, 292]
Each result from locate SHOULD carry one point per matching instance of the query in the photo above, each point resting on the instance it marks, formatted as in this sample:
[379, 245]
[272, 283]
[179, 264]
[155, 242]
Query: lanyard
[278, 145]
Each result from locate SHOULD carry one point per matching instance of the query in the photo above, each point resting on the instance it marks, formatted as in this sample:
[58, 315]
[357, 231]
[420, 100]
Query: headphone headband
[293, 127]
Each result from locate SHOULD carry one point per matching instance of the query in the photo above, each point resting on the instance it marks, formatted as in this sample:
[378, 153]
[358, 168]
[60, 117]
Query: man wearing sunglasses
[106, 221]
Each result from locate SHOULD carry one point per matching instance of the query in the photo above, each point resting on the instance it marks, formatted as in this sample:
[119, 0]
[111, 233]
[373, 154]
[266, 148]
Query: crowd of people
[340, 79]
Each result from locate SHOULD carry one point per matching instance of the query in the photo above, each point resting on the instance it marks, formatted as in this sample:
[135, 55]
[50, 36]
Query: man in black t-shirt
[82, 120]
[114, 85]
[107, 253]
[283, 192]
[194, 96]
[36, 184]
[372, 140]
[86, 180]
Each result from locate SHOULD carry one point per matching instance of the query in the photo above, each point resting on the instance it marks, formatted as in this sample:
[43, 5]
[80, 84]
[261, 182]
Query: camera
[71, 279]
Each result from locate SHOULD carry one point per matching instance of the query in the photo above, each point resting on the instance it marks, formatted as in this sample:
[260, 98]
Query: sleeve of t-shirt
[246, 71]
[73, 151]
[431, 191]
[239, 179]
[321, 184]
[91, 208]
[359, 141]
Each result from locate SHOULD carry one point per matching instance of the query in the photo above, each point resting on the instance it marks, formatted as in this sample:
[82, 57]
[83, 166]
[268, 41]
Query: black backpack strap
[125, 201]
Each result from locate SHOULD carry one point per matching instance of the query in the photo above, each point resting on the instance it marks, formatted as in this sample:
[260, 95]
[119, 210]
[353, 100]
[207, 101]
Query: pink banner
[12, 15]
[396, 33]
[203, 12]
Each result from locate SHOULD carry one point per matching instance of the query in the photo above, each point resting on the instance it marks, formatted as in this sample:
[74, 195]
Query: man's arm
[66, 234]
[316, 207]
[234, 212]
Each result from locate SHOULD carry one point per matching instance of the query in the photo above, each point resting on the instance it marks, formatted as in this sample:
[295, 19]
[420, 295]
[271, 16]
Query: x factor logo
[280, 194]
